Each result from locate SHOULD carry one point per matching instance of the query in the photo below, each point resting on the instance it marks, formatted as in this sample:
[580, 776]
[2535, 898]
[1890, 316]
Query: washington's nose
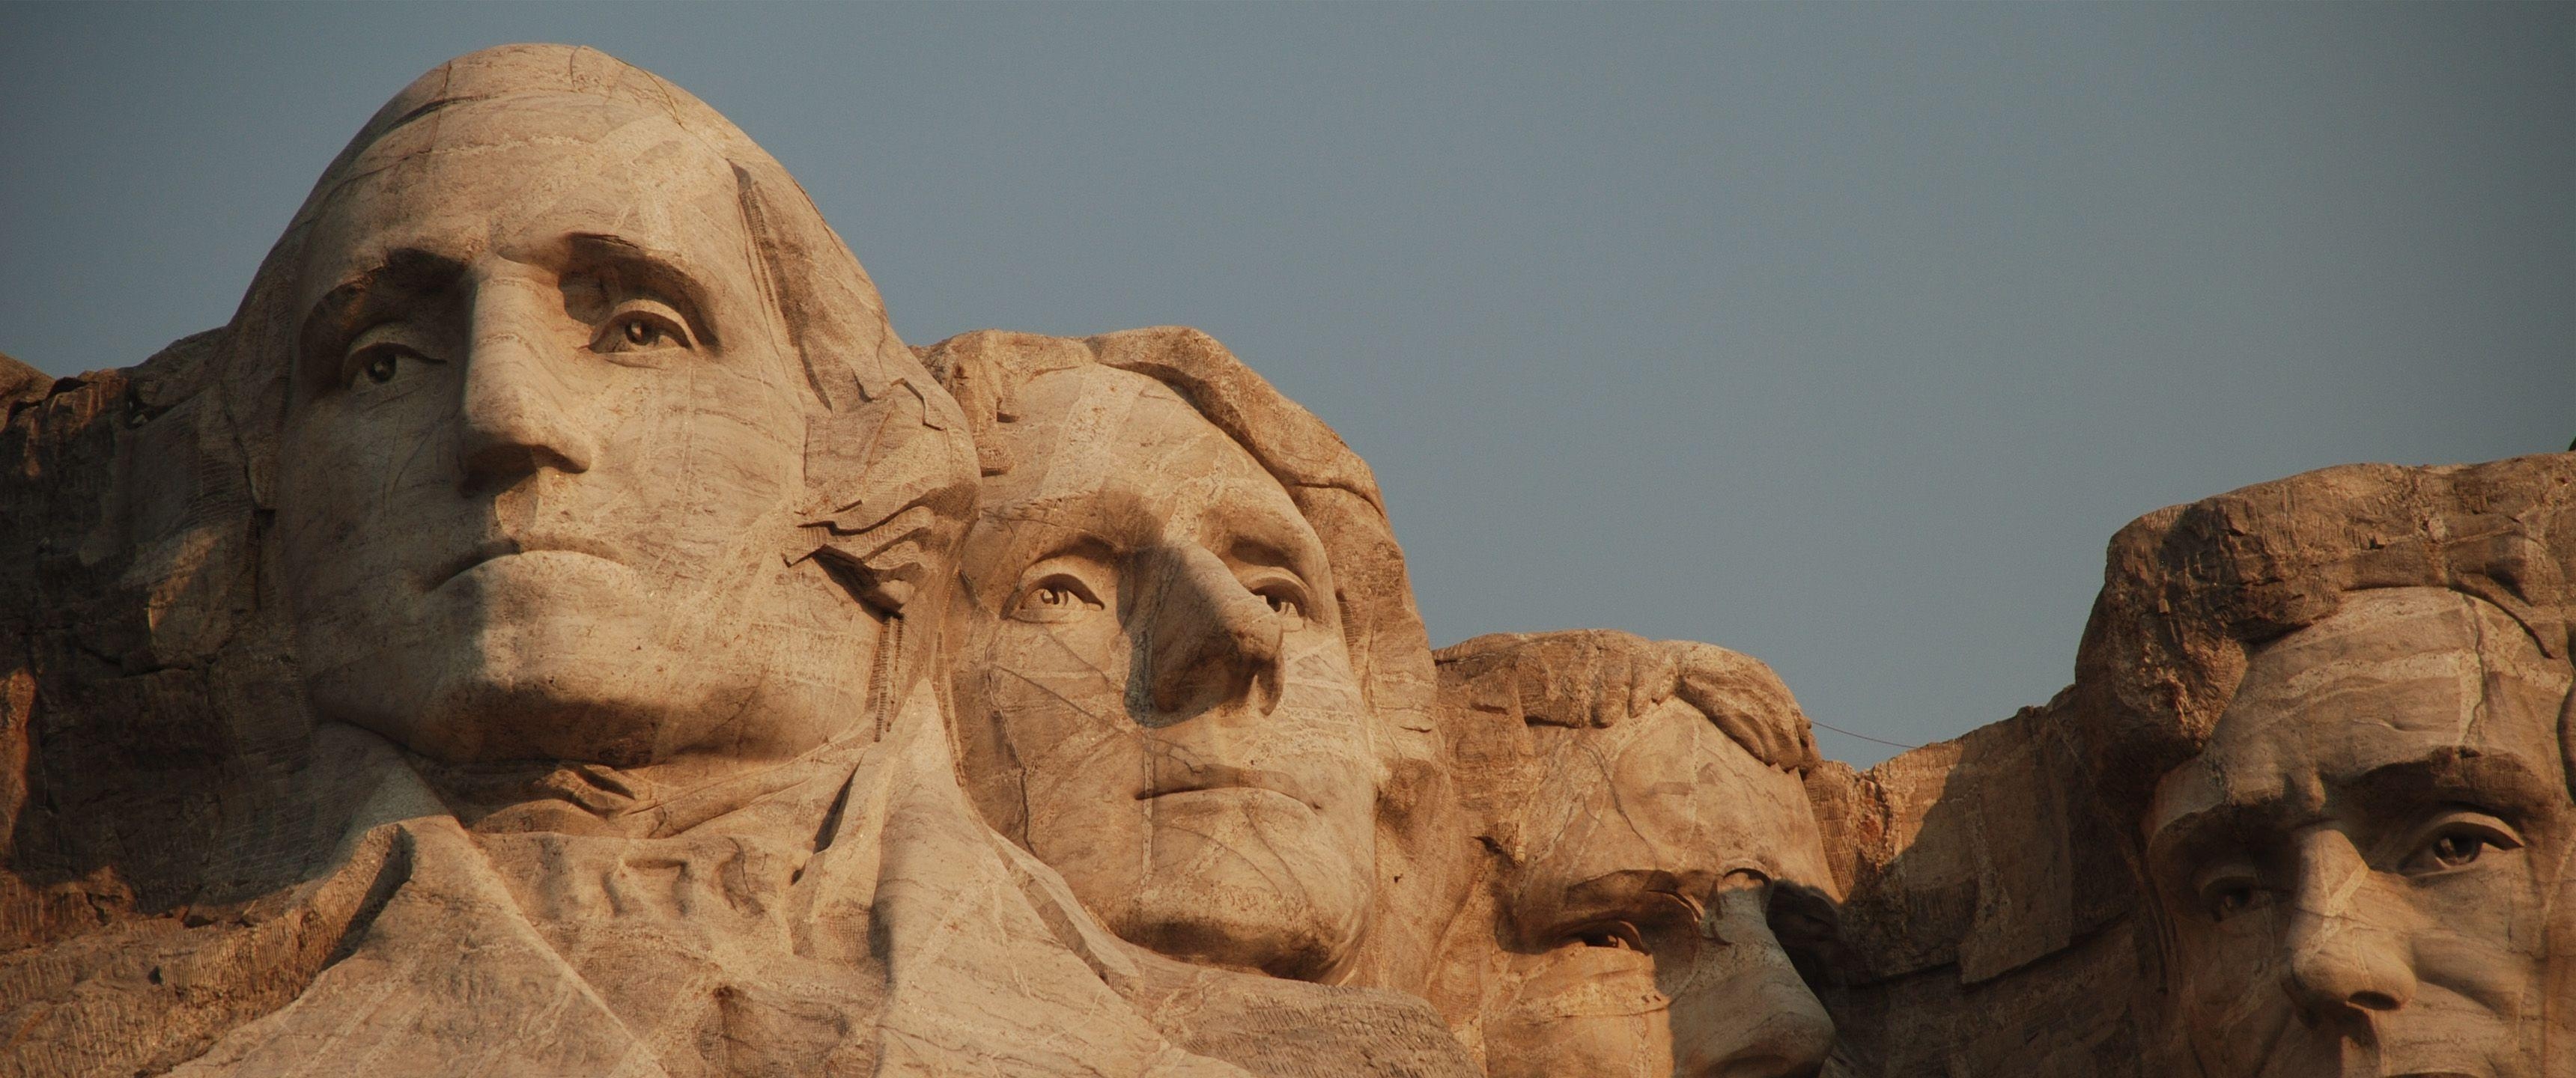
[2337, 958]
[1206, 640]
[516, 417]
[1746, 1012]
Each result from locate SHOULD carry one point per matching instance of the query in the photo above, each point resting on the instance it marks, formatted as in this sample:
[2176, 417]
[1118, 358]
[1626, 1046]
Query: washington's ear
[890, 488]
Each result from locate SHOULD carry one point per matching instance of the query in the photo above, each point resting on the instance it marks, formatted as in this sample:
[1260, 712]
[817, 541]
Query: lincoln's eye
[2227, 902]
[381, 366]
[2452, 851]
[2462, 838]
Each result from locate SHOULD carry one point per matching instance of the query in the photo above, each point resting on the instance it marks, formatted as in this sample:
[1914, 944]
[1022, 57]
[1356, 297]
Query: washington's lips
[494, 549]
[1213, 778]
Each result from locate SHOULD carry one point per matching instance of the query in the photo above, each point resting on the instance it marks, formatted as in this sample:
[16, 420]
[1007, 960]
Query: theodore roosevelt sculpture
[1651, 869]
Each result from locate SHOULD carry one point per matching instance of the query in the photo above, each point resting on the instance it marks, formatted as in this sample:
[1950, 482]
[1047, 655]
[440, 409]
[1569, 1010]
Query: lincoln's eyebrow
[2444, 776]
[2192, 833]
[2454, 776]
[665, 275]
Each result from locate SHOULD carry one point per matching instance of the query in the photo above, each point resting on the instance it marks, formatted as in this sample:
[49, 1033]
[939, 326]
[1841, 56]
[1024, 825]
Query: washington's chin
[538, 578]
[550, 687]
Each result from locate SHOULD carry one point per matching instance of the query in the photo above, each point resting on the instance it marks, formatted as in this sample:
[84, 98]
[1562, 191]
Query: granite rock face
[557, 628]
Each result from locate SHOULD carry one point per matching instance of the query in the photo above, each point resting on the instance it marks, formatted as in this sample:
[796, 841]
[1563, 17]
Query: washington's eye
[638, 325]
[1059, 597]
[2458, 841]
[380, 362]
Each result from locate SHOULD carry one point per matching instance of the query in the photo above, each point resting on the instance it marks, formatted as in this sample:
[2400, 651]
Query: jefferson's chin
[1287, 901]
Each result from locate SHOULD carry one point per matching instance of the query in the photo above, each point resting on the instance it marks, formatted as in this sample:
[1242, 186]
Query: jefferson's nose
[1745, 1012]
[1205, 640]
[2339, 959]
[516, 416]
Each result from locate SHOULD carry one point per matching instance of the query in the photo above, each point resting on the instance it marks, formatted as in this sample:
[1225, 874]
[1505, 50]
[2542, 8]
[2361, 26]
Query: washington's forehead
[614, 172]
[516, 121]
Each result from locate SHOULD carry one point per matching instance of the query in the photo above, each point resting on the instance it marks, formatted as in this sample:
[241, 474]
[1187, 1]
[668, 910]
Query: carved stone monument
[557, 628]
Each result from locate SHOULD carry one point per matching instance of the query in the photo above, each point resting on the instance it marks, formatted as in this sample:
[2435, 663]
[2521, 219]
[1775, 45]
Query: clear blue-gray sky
[1840, 334]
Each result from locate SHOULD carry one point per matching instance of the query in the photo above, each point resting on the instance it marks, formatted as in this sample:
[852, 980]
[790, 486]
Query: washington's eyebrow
[665, 275]
[404, 272]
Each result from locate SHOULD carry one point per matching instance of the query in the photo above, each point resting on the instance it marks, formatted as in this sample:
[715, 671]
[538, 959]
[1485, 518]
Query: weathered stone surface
[1188, 671]
[512, 646]
[1651, 874]
[2328, 718]
[558, 628]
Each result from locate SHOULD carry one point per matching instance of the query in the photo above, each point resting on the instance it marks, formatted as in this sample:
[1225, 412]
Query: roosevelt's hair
[1592, 679]
[2190, 592]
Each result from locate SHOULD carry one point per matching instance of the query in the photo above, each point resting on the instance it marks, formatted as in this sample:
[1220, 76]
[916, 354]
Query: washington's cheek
[696, 483]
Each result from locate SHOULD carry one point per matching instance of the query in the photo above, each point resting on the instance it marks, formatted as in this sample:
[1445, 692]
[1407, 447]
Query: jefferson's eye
[1055, 598]
[1286, 597]
[2459, 842]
